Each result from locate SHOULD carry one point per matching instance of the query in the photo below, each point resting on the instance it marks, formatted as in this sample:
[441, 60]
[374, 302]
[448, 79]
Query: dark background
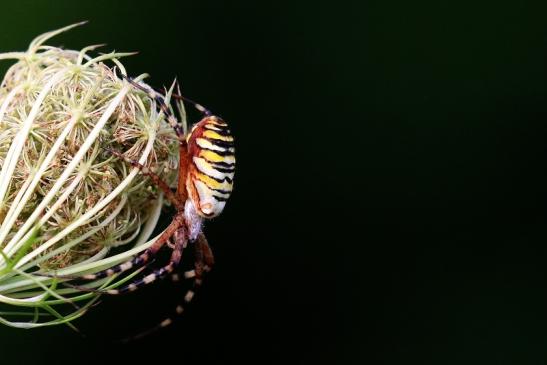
[391, 192]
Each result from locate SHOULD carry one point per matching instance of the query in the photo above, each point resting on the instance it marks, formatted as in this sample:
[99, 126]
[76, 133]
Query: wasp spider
[205, 181]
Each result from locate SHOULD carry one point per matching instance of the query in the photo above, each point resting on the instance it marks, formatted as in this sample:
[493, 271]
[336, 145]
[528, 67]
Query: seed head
[65, 200]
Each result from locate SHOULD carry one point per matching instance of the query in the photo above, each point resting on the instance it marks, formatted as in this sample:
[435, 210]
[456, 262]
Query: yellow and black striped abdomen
[212, 165]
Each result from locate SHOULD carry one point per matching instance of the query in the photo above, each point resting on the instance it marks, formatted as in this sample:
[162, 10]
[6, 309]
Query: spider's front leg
[181, 240]
[143, 258]
[204, 261]
[136, 262]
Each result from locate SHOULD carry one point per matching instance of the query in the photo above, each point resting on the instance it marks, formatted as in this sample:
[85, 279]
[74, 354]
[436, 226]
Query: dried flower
[65, 201]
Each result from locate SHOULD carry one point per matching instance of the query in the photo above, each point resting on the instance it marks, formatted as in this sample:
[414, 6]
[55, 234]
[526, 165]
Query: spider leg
[180, 243]
[184, 159]
[171, 196]
[199, 107]
[204, 261]
[140, 260]
[160, 100]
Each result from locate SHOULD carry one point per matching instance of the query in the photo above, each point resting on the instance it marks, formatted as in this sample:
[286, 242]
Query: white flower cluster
[65, 200]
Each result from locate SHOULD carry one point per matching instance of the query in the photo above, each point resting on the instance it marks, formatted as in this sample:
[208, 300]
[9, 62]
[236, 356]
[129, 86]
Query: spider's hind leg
[160, 100]
[206, 112]
[156, 180]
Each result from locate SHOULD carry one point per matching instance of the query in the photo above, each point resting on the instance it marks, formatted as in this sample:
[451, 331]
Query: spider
[205, 181]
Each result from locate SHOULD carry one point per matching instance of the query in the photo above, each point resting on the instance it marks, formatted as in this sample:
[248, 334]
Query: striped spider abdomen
[211, 166]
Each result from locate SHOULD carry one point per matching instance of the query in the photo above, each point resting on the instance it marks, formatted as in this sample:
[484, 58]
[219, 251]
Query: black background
[390, 202]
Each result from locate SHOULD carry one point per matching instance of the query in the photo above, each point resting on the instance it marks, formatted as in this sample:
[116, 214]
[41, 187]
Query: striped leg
[204, 261]
[140, 260]
[160, 100]
[199, 107]
[155, 178]
[180, 243]
[204, 258]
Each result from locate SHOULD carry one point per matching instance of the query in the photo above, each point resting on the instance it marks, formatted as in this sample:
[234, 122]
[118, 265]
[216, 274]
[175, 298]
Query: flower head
[65, 200]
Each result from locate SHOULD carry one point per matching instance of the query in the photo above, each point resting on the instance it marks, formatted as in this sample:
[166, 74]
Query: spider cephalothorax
[205, 181]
